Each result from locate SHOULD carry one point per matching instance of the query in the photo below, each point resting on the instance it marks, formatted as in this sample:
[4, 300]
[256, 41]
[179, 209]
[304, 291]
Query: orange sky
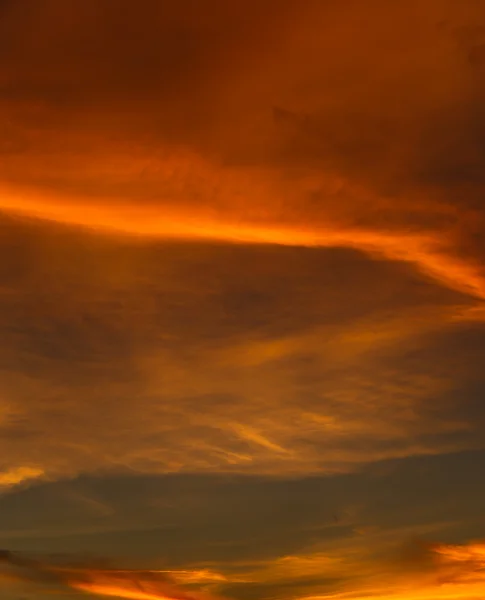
[242, 294]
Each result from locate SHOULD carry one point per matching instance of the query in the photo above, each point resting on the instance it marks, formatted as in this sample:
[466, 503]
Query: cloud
[242, 297]
[432, 571]
[176, 136]
[427, 251]
[21, 474]
[418, 570]
[289, 374]
[135, 584]
[254, 537]
[233, 242]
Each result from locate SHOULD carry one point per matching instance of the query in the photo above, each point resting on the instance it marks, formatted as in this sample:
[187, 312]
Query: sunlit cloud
[431, 252]
[445, 571]
[135, 584]
[242, 242]
[430, 571]
[18, 475]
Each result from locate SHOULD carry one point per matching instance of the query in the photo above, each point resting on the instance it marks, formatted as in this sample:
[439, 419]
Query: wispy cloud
[120, 583]
[12, 477]
[422, 570]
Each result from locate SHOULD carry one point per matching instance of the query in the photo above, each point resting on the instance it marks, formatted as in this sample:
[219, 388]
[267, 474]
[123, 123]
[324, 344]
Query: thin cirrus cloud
[286, 377]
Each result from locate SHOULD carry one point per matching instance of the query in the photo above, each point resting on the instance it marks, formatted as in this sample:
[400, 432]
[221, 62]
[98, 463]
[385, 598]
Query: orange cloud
[431, 252]
[442, 571]
[434, 571]
[105, 584]
[359, 159]
[310, 131]
[18, 475]
[130, 584]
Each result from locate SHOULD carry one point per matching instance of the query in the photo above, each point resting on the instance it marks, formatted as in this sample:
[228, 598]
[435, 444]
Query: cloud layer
[423, 571]
[242, 271]
[284, 205]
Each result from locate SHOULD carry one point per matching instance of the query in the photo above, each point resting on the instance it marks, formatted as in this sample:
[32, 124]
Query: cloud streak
[431, 253]
[425, 570]
[134, 584]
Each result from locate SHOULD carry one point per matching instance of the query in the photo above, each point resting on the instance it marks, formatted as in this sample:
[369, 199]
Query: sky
[242, 299]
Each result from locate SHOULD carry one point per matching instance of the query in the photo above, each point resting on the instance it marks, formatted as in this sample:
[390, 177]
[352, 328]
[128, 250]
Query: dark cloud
[246, 537]
[197, 518]
[94, 578]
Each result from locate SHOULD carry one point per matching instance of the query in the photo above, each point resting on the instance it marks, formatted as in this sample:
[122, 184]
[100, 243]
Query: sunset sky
[242, 299]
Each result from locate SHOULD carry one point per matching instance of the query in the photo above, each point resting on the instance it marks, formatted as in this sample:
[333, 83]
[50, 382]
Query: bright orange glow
[133, 591]
[19, 475]
[135, 585]
[444, 572]
[427, 251]
[472, 552]
[195, 576]
[444, 592]
[458, 572]
[119, 592]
